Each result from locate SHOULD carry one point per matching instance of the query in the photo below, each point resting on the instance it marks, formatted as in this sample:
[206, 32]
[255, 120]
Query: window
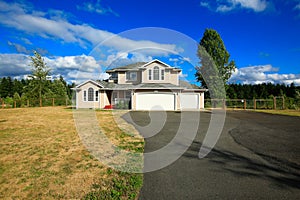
[162, 74]
[131, 76]
[114, 95]
[96, 95]
[127, 94]
[114, 76]
[90, 94]
[156, 73]
[150, 74]
[84, 95]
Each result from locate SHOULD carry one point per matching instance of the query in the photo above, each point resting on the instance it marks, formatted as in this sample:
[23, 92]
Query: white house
[141, 86]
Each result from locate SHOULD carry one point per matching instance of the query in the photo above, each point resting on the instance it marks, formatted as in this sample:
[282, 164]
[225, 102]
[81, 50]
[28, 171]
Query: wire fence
[23, 103]
[276, 103]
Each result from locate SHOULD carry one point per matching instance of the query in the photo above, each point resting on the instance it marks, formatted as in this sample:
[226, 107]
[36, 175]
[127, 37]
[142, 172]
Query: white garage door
[153, 101]
[189, 101]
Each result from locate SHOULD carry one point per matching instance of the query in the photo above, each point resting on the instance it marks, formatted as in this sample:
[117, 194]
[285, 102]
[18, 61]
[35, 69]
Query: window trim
[156, 73]
[128, 74]
[90, 94]
[162, 74]
[150, 74]
[96, 95]
[84, 95]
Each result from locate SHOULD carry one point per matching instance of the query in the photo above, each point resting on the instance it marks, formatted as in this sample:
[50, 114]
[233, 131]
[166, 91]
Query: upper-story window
[156, 73]
[131, 76]
[114, 76]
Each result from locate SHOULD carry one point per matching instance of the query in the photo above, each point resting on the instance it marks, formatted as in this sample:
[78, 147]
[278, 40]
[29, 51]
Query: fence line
[278, 102]
[34, 102]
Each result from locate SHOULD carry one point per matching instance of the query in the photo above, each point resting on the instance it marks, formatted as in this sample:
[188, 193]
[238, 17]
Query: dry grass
[42, 157]
[119, 132]
[282, 112]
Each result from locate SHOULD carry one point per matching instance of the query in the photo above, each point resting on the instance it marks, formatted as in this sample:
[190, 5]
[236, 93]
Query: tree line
[216, 68]
[36, 87]
[15, 88]
[262, 91]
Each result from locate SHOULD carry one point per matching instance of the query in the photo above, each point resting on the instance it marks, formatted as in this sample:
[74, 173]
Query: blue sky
[262, 36]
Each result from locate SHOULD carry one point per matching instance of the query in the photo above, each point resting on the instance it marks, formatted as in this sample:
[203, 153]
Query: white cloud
[183, 76]
[104, 76]
[297, 7]
[205, 4]
[14, 64]
[22, 18]
[262, 74]
[124, 58]
[26, 41]
[256, 5]
[224, 8]
[229, 5]
[19, 48]
[96, 7]
[70, 67]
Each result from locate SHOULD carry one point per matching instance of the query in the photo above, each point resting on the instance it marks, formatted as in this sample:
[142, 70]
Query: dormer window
[156, 73]
[131, 76]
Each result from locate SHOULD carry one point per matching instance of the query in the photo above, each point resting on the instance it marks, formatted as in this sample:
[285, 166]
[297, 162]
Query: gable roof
[133, 66]
[91, 81]
[158, 61]
[140, 66]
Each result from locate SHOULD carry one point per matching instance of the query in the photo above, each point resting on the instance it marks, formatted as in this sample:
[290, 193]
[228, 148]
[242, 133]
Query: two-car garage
[167, 101]
[155, 101]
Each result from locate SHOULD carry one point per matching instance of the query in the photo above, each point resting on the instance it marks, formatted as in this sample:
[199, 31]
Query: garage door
[189, 101]
[153, 101]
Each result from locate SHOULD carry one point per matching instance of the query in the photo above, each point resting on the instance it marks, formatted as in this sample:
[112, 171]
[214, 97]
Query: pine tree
[40, 71]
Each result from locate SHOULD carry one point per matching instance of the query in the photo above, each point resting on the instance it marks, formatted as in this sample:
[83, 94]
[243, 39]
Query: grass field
[282, 112]
[42, 157]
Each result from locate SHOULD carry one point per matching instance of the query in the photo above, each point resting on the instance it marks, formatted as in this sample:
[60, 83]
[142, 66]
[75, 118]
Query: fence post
[52, 101]
[41, 104]
[283, 106]
[28, 103]
[254, 104]
[15, 104]
[224, 103]
[274, 103]
[245, 104]
[66, 101]
[2, 103]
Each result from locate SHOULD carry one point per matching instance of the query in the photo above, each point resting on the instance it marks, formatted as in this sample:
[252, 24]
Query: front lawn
[42, 157]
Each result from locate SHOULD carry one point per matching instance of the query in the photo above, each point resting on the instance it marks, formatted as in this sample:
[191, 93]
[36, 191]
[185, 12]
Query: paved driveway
[256, 157]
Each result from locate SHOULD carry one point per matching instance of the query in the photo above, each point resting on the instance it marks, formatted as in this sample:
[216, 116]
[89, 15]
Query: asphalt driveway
[256, 157]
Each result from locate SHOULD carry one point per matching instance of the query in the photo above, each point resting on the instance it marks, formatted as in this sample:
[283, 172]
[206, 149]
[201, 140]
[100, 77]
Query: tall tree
[40, 71]
[213, 45]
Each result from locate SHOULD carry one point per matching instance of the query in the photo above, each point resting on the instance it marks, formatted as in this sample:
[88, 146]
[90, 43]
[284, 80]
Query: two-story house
[141, 86]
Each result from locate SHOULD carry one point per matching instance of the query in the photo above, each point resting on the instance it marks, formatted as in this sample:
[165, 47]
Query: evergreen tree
[218, 64]
[40, 71]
